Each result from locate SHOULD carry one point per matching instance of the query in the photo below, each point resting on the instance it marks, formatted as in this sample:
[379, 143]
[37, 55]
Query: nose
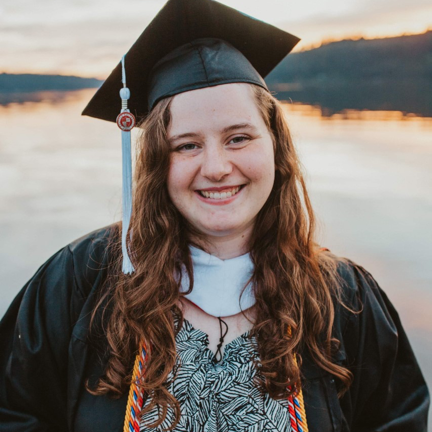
[215, 164]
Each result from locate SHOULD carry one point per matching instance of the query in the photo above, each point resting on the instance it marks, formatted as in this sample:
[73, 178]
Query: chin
[221, 230]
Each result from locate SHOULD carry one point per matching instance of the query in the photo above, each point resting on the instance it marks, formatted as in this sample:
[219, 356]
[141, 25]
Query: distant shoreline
[406, 98]
[29, 83]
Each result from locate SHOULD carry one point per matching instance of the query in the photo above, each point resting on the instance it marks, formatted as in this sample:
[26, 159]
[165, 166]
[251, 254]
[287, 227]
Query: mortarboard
[181, 22]
[190, 44]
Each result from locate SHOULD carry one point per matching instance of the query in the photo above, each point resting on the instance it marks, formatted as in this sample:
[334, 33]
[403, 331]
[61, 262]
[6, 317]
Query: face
[222, 159]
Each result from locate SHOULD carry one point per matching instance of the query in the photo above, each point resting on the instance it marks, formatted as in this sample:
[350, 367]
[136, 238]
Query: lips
[220, 193]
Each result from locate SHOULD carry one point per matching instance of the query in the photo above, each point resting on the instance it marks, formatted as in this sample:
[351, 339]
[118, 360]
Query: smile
[220, 194]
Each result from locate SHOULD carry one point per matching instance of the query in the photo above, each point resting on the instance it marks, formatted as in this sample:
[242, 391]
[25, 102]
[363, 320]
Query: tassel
[126, 121]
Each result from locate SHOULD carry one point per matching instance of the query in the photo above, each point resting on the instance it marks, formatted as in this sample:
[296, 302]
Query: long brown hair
[294, 283]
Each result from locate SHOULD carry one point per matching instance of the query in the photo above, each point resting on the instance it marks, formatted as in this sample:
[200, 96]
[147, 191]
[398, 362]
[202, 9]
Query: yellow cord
[130, 422]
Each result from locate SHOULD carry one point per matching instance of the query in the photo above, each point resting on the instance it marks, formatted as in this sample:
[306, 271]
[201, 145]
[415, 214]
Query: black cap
[191, 44]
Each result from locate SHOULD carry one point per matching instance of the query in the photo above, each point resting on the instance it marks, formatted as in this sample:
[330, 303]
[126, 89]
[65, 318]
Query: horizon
[88, 39]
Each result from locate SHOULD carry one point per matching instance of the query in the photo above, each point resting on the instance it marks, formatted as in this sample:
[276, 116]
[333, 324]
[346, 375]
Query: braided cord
[300, 412]
[136, 394]
[296, 406]
[297, 412]
[135, 403]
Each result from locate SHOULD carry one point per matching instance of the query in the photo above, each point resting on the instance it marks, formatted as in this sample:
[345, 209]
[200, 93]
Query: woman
[233, 311]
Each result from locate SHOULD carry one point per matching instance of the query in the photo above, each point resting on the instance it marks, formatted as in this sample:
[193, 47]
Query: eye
[186, 147]
[238, 139]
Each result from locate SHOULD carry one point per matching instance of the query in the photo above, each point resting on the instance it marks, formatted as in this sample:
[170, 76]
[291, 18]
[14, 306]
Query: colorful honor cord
[136, 394]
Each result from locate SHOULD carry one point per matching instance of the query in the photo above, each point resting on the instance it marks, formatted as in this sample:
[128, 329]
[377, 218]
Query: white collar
[219, 283]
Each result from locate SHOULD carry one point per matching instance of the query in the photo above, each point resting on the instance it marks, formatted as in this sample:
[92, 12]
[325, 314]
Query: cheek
[173, 183]
[179, 179]
[266, 181]
[260, 166]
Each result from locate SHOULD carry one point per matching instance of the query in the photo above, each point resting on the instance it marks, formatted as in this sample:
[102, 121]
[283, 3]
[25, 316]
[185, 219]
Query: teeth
[220, 195]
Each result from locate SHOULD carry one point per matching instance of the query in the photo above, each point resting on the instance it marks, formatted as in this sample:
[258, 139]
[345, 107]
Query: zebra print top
[219, 397]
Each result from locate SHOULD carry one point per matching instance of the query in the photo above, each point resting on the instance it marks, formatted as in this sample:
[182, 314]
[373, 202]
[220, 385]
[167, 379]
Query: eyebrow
[184, 135]
[224, 130]
[239, 126]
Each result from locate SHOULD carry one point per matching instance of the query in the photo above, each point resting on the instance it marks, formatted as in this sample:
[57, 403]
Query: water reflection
[352, 114]
[406, 96]
[369, 174]
[53, 97]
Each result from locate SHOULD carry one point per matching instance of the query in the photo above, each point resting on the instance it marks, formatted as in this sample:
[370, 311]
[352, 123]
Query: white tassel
[127, 198]
[126, 121]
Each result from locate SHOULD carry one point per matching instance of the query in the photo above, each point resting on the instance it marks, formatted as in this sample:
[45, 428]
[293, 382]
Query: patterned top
[219, 397]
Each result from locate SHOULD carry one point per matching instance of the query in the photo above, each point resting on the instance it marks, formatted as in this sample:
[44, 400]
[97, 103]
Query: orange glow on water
[360, 115]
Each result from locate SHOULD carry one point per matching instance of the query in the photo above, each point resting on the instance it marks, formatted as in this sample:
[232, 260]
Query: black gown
[47, 356]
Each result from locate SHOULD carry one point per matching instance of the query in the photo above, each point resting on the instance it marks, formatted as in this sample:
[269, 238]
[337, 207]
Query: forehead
[214, 108]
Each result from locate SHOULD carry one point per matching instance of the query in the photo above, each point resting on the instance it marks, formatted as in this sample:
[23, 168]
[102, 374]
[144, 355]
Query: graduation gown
[47, 356]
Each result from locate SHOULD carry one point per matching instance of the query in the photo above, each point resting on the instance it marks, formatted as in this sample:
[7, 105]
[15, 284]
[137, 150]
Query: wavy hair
[294, 282]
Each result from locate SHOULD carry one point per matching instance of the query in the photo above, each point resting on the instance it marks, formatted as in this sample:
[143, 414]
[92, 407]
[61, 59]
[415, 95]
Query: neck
[227, 246]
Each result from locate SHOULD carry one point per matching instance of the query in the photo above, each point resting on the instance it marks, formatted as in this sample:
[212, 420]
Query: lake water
[369, 175]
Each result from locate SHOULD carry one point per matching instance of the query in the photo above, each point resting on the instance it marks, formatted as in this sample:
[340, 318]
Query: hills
[378, 74]
[396, 58]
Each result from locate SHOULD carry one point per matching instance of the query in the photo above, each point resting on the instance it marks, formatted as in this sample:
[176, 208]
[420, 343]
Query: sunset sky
[88, 37]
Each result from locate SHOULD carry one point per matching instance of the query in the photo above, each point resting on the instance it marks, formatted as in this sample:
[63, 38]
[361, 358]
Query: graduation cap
[190, 44]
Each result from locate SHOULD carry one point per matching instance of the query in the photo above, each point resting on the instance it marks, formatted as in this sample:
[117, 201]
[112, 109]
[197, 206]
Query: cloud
[87, 46]
[369, 19]
[88, 37]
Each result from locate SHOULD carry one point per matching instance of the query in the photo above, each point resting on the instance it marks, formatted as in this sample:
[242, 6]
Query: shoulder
[363, 312]
[80, 262]
[356, 285]
[93, 241]
[62, 285]
[91, 255]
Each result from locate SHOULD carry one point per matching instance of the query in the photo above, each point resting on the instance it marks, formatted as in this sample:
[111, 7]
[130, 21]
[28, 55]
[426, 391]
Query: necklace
[218, 354]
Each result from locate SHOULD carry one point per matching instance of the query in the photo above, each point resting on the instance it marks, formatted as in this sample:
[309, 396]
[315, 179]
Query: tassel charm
[126, 121]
